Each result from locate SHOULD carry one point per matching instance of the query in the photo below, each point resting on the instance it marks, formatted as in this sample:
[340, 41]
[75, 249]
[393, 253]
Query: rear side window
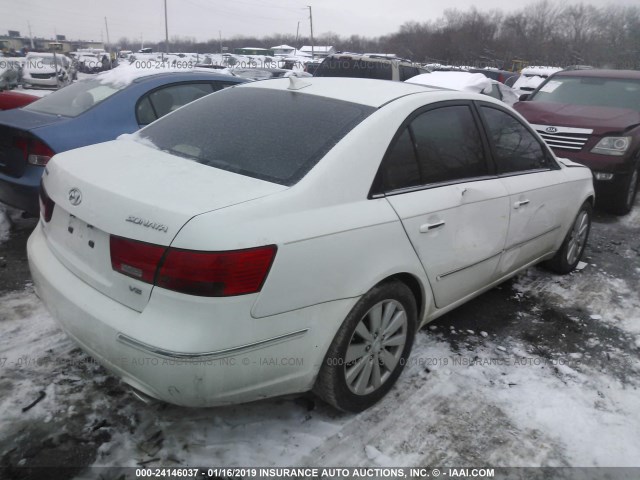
[167, 99]
[515, 147]
[439, 145]
[401, 164]
[277, 136]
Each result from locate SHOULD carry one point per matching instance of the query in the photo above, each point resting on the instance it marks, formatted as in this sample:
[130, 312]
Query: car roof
[364, 91]
[124, 77]
[207, 74]
[369, 58]
[600, 73]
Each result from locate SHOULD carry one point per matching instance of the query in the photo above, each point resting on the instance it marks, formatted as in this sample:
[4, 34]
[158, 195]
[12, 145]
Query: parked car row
[90, 111]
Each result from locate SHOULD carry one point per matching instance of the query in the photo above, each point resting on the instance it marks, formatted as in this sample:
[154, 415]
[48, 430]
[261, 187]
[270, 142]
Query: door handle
[427, 227]
[520, 203]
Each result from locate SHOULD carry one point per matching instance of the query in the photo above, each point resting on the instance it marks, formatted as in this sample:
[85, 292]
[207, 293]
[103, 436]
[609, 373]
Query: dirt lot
[542, 371]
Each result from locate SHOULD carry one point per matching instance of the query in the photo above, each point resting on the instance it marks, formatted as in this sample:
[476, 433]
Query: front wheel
[624, 199]
[370, 349]
[567, 258]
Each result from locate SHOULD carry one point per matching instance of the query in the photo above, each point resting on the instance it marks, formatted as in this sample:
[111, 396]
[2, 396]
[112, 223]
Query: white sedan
[293, 234]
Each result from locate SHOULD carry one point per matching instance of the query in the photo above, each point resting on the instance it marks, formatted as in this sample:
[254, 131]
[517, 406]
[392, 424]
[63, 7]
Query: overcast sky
[203, 19]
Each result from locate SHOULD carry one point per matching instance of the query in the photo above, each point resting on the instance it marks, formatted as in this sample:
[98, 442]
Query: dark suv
[379, 67]
[593, 117]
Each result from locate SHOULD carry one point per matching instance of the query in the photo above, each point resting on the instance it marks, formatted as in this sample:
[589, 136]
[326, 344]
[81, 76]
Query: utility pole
[311, 22]
[166, 28]
[30, 35]
[297, 34]
[106, 26]
[55, 58]
[220, 37]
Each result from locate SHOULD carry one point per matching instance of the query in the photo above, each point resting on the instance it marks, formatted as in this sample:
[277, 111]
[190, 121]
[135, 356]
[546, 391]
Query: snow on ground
[481, 398]
[542, 371]
[5, 224]
[8, 216]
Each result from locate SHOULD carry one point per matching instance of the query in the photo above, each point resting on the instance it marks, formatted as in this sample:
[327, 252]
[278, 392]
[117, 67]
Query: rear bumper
[186, 350]
[22, 192]
[41, 82]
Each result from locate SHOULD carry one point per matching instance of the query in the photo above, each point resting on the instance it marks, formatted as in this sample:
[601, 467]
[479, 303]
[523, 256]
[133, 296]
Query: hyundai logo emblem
[75, 196]
[551, 129]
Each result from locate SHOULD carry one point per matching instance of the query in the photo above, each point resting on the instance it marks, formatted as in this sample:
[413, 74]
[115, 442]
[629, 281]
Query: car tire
[567, 257]
[623, 201]
[370, 349]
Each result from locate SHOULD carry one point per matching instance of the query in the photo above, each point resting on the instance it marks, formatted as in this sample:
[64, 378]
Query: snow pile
[528, 83]
[125, 74]
[532, 77]
[464, 81]
[5, 224]
[539, 71]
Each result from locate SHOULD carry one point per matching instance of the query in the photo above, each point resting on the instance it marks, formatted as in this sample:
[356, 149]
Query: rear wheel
[567, 258]
[370, 349]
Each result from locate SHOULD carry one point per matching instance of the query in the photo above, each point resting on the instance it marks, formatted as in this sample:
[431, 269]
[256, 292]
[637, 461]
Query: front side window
[515, 147]
[440, 145]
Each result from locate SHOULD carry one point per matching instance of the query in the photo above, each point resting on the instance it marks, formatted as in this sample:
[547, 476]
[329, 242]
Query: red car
[593, 117]
[9, 100]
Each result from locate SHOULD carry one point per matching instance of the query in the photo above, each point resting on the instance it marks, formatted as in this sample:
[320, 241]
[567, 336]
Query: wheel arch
[416, 287]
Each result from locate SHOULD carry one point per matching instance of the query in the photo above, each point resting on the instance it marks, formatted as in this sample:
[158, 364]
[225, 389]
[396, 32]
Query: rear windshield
[350, 67]
[591, 91]
[74, 99]
[277, 136]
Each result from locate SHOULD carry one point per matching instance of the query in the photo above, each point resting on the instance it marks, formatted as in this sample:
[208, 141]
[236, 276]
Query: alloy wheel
[375, 347]
[578, 237]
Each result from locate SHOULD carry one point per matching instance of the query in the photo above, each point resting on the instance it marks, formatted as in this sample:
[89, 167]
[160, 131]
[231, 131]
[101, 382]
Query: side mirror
[524, 97]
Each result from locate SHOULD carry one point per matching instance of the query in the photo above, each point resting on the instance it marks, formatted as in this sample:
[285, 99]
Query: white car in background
[47, 70]
[467, 82]
[231, 253]
[531, 78]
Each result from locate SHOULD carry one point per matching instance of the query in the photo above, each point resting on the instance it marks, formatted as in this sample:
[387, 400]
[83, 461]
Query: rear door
[437, 177]
[538, 192]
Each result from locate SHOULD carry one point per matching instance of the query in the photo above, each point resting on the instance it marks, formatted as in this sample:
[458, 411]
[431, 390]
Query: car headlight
[612, 146]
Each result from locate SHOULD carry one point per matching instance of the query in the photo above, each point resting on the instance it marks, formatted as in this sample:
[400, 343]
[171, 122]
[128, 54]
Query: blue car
[90, 111]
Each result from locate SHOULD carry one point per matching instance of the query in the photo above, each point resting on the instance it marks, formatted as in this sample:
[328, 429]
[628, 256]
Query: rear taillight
[207, 274]
[135, 259]
[46, 204]
[34, 151]
[39, 152]
[216, 274]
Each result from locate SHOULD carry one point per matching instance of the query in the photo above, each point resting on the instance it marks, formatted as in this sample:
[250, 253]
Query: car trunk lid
[129, 190]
